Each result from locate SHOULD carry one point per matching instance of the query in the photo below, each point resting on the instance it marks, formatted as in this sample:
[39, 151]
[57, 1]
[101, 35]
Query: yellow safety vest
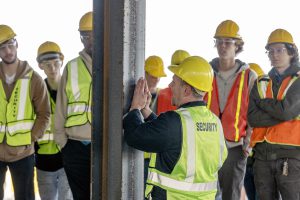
[203, 152]
[79, 93]
[46, 143]
[17, 115]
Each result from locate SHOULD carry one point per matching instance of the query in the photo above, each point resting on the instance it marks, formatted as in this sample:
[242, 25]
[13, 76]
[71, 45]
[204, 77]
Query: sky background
[191, 25]
[37, 21]
[170, 25]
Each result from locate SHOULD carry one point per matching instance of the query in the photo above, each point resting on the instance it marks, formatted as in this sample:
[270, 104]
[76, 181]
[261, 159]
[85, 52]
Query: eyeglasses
[226, 42]
[10, 44]
[278, 51]
[85, 37]
[49, 64]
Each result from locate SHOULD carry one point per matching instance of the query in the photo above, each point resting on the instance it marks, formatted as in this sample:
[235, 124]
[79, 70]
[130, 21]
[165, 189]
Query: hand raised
[140, 95]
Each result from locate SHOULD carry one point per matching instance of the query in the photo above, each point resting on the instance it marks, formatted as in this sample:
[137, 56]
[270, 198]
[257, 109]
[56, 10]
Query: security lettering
[206, 126]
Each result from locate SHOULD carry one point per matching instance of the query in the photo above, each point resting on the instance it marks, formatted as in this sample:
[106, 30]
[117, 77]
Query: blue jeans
[77, 164]
[22, 177]
[53, 185]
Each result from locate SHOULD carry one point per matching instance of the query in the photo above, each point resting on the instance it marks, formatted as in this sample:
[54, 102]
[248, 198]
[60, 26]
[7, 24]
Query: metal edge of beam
[134, 55]
[97, 152]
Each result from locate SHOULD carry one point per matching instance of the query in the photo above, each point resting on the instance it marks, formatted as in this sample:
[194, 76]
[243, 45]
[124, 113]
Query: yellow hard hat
[257, 69]
[49, 50]
[228, 29]
[280, 36]
[86, 22]
[196, 71]
[178, 56]
[6, 33]
[154, 66]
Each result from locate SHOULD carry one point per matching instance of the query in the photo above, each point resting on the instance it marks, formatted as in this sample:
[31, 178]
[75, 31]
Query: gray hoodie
[225, 83]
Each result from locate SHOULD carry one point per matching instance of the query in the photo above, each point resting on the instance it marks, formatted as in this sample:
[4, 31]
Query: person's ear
[187, 90]
[41, 66]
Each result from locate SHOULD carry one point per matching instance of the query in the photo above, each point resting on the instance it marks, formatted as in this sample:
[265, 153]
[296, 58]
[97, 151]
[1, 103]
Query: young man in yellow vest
[187, 145]
[274, 114]
[73, 114]
[51, 176]
[24, 116]
[229, 101]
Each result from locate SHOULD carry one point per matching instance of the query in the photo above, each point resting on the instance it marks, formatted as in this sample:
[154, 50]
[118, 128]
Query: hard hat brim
[174, 69]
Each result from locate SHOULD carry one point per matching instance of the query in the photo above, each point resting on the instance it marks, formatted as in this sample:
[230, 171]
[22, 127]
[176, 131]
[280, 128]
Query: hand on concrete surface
[140, 95]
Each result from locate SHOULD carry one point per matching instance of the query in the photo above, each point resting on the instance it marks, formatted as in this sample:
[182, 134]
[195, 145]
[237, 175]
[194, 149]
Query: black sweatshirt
[269, 112]
[53, 162]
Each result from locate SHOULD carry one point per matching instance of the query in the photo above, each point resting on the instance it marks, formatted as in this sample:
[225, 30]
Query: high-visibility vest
[203, 152]
[164, 101]
[234, 116]
[79, 94]
[285, 133]
[17, 115]
[47, 145]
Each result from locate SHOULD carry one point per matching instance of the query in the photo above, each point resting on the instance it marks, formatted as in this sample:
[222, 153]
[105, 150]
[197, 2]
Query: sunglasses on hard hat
[86, 35]
[9, 44]
[49, 64]
[226, 42]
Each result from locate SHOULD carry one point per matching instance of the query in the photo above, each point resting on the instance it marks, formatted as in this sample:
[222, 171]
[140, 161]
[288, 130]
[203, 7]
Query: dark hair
[292, 50]
[240, 45]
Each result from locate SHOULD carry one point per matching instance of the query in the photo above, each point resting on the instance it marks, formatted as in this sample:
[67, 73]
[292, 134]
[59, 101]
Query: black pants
[77, 164]
[269, 180]
[231, 174]
[22, 177]
[249, 183]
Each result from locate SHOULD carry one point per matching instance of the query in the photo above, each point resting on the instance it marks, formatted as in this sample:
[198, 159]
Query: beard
[9, 62]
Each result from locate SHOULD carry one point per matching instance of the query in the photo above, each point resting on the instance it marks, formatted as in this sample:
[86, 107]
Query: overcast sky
[36, 21]
[191, 24]
[170, 25]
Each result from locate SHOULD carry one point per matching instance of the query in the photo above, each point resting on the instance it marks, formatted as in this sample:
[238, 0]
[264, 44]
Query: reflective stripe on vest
[46, 138]
[19, 127]
[180, 185]
[235, 112]
[79, 93]
[202, 140]
[17, 115]
[277, 134]
[47, 145]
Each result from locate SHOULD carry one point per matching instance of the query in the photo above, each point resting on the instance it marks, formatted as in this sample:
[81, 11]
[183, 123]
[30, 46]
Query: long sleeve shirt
[80, 133]
[161, 135]
[40, 101]
[269, 112]
[225, 83]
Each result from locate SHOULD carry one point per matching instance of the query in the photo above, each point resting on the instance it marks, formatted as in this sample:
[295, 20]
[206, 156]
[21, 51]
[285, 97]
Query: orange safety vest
[164, 101]
[285, 133]
[234, 116]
